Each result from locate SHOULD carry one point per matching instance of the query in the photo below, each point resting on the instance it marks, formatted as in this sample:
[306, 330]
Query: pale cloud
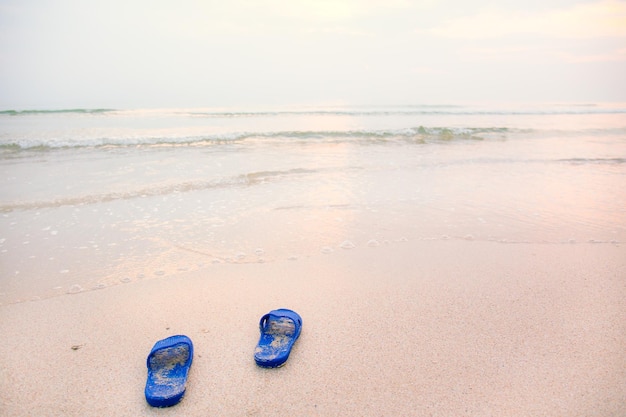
[338, 31]
[615, 56]
[540, 53]
[506, 53]
[194, 19]
[335, 10]
[590, 20]
[424, 70]
[325, 10]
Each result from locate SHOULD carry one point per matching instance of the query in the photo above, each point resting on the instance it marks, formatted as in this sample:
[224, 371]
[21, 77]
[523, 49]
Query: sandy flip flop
[169, 362]
[279, 331]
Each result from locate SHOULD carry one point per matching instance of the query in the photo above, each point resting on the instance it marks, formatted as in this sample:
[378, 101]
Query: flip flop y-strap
[283, 313]
[170, 342]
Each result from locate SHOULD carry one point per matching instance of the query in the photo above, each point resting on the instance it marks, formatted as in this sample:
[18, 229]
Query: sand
[424, 328]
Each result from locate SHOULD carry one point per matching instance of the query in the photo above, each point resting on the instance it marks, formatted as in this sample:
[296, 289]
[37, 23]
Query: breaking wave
[409, 135]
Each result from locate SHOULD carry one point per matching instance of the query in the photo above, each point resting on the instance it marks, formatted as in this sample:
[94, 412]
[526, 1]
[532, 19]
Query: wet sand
[441, 328]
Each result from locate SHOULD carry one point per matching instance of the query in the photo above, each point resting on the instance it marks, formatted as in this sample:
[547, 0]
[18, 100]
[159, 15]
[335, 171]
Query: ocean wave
[129, 138]
[594, 161]
[345, 111]
[60, 111]
[243, 180]
[458, 111]
[418, 135]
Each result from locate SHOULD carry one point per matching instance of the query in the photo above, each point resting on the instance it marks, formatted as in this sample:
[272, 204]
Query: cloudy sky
[200, 53]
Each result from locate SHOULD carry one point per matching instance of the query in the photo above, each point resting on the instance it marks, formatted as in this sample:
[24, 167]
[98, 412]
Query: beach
[437, 189]
[457, 260]
[409, 328]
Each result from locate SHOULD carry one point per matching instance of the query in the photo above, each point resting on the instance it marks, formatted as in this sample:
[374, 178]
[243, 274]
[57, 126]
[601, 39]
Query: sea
[91, 198]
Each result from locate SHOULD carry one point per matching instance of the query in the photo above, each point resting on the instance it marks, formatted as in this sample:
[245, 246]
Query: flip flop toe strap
[282, 313]
[170, 342]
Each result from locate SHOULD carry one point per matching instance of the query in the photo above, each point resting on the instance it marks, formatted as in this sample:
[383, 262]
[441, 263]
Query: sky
[211, 53]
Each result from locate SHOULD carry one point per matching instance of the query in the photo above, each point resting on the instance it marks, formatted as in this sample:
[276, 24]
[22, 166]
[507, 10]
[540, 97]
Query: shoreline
[417, 328]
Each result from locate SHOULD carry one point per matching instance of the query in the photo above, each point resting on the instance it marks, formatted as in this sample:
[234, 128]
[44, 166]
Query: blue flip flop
[168, 365]
[279, 331]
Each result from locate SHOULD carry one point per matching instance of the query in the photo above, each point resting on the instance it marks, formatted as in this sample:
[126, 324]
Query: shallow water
[93, 199]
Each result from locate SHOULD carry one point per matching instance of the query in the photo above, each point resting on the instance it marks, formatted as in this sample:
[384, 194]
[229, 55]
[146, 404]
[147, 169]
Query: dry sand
[441, 328]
